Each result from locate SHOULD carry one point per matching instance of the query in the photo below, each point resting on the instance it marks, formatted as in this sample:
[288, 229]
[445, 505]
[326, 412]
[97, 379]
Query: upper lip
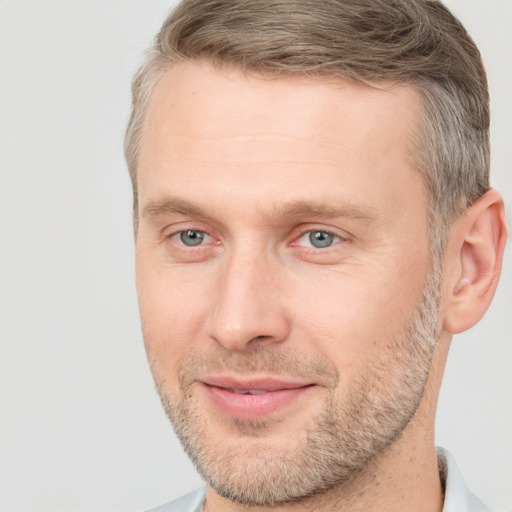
[254, 383]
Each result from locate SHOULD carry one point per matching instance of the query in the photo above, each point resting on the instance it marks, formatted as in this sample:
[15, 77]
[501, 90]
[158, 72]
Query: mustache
[264, 361]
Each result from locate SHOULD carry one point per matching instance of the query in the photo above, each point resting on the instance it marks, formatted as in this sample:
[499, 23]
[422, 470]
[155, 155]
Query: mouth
[248, 391]
[252, 399]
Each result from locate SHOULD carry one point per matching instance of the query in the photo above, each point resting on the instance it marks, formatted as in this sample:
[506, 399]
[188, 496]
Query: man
[313, 223]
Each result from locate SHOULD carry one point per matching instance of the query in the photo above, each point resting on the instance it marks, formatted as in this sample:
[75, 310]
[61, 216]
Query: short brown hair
[418, 42]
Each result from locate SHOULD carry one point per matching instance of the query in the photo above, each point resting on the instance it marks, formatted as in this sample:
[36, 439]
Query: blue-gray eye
[321, 239]
[192, 237]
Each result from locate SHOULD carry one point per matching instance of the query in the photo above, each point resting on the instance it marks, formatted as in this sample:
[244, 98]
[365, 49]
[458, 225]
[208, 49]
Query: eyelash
[338, 238]
[177, 234]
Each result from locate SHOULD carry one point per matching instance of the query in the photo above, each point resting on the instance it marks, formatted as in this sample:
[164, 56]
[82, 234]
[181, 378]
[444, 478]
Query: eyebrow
[328, 209]
[292, 209]
[172, 205]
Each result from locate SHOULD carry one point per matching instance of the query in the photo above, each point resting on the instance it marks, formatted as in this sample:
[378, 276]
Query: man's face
[282, 265]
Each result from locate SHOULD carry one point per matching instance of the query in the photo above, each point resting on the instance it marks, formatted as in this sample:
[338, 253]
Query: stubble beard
[346, 437]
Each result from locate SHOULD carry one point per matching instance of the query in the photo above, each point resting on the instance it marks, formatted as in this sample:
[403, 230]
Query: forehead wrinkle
[244, 149]
[256, 137]
[246, 164]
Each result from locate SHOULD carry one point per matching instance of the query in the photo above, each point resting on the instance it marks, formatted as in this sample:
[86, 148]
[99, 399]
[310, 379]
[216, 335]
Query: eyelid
[343, 236]
[186, 224]
[175, 235]
[306, 240]
[211, 239]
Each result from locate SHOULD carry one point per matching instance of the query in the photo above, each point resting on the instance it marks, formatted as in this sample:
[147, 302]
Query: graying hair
[417, 42]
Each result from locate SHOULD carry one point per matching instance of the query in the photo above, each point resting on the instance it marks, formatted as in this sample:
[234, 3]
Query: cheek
[354, 319]
[172, 307]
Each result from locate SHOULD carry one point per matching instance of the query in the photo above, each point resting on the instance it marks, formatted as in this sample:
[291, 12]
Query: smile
[254, 399]
[249, 391]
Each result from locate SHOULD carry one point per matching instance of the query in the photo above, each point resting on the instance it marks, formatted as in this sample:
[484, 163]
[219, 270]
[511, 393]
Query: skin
[238, 158]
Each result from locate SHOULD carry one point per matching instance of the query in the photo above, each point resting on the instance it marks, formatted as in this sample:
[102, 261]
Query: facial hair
[343, 439]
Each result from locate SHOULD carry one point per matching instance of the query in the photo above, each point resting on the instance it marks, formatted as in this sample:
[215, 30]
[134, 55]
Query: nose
[249, 309]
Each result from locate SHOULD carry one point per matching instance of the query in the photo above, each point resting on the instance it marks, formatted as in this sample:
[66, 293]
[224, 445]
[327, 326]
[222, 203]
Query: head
[300, 171]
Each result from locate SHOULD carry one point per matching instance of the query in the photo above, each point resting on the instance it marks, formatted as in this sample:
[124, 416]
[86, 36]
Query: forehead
[207, 125]
[226, 97]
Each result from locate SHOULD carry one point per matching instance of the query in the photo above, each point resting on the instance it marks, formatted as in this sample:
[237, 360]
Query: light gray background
[81, 427]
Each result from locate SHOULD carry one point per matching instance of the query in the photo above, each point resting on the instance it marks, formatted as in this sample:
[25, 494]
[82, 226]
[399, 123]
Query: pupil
[192, 238]
[320, 239]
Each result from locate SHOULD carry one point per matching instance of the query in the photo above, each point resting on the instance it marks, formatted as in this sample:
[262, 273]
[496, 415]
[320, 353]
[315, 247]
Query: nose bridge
[248, 307]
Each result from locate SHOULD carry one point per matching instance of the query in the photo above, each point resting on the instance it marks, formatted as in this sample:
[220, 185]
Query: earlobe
[475, 253]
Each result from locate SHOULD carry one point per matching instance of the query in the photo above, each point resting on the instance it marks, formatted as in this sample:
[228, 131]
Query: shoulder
[192, 502]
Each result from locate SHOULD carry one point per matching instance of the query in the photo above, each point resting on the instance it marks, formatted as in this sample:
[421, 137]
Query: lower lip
[246, 406]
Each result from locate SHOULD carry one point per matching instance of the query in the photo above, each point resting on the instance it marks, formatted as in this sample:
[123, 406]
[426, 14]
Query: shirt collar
[457, 497]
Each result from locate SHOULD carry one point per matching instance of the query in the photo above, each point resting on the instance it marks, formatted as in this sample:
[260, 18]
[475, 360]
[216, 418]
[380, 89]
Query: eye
[192, 237]
[319, 239]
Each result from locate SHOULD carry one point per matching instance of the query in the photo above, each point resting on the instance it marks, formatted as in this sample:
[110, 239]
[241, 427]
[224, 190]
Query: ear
[472, 262]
